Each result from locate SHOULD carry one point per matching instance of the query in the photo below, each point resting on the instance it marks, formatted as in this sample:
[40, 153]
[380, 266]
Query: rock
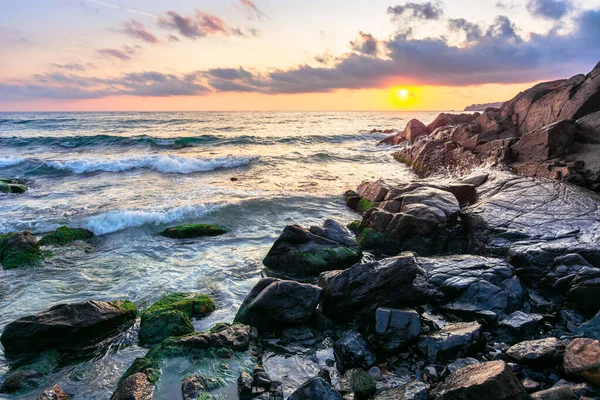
[365, 287]
[453, 341]
[531, 385]
[236, 337]
[64, 235]
[54, 393]
[274, 304]
[489, 380]
[582, 360]
[393, 328]
[472, 284]
[460, 363]
[590, 329]
[32, 374]
[519, 325]
[542, 353]
[555, 393]
[193, 231]
[451, 119]
[15, 186]
[362, 384]
[244, 386]
[352, 350]
[134, 387]
[170, 316]
[588, 128]
[193, 387]
[414, 129]
[585, 289]
[305, 252]
[415, 390]
[545, 143]
[315, 389]
[18, 250]
[66, 326]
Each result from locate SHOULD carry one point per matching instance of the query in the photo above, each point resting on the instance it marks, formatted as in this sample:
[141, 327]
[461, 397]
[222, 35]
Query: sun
[402, 94]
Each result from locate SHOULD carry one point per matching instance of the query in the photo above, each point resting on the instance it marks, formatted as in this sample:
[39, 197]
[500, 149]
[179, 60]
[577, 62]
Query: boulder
[66, 326]
[352, 350]
[19, 249]
[445, 119]
[303, 252]
[590, 329]
[134, 387]
[170, 316]
[10, 186]
[452, 341]
[414, 129]
[193, 231]
[542, 353]
[545, 143]
[394, 328]
[582, 360]
[555, 393]
[588, 128]
[415, 390]
[274, 304]
[244, 386]
[362, 385]
[54, 393]
[365, 287]
[472, 284]
[315, 389]
[236, 337]
[64, 235]
[585, 289]
[520, 325]
[489, 380]
[193, 387]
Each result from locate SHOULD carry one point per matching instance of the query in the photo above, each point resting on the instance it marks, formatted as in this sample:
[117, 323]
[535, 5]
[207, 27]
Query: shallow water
[128, 176]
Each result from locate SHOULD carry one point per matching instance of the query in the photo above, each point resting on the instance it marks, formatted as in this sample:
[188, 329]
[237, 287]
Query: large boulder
[489, 380]
[363, 288]
[472, 284]
[304, 252]
[274, 304]
[66, 326]
[19, 249]
[315, 389]
[538, 353]
[445, 119]
[588, 128]
[452, 341]
[582, 360]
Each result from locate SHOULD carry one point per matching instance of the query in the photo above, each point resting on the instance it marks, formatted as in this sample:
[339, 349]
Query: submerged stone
[12, 186]
[31, 375]
[193, 231]
[170, 316]
[64, 235]
[19, 249]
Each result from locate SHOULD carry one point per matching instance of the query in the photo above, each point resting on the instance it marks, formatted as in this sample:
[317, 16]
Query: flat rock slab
[538, 353]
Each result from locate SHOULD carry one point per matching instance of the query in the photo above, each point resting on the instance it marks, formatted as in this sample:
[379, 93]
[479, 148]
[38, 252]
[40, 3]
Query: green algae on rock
[64, 235]
[19, 249]
[170, 316]
[193, 231]
[12, 186]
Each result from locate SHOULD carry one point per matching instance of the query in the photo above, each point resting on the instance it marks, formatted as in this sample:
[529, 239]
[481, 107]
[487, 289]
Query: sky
[180, 55]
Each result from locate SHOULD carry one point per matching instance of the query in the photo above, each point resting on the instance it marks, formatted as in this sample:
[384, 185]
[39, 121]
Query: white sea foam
[8, 161]
[115, 221]
[160, 163]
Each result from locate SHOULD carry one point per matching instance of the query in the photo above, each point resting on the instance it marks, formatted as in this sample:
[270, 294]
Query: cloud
[472, 31]
[229, 73]
[110, 5]
[366, 44]
[427, 11]
[251, 10]
[74, 66]
[549, 9]
[172, 38]
[137, 30]
[123, 54]
[200, 25]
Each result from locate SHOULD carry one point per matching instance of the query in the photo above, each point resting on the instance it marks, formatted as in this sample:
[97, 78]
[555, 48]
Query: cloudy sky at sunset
[287, 54]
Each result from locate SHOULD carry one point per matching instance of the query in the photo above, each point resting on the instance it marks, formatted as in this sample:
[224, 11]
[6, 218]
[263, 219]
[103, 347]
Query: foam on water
[8, 161]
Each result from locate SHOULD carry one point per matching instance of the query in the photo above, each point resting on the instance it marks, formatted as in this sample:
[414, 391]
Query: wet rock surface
[453, 341]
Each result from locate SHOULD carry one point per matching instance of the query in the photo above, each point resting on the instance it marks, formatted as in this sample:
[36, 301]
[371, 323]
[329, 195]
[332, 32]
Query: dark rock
[236, 337]
[491, 380]
[453, 341]
[555, 393]
[134, 387]
[531, 385]
[274, 304]
[305, 252]
[352, 350]
[54, 393]
[582, 360]
[472, 284]
[64, 235]
[543, 353]
[15, 186]
[365, 287]
[588, 128]
[393, 328]
[244, 386]
[66, 326]
[193, 231]
[362, 384]
[19, 249]
[590, 329]
[519, 325]
[315, 389]
[170, 316]
[32, 374]
[193, 387]
[415, 390]
[585, 289]
[545, 143]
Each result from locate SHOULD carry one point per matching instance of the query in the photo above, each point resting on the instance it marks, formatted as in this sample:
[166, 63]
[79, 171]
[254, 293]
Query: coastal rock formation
[547, 131]
[274, 304]
[305, 252]
[66, 326]
[65, 235]
[19, 249]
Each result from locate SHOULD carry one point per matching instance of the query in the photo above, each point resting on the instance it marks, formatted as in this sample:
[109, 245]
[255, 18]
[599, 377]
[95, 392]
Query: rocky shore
[478, 286]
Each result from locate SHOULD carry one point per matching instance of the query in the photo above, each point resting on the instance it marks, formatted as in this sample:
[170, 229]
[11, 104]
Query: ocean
[128, 176]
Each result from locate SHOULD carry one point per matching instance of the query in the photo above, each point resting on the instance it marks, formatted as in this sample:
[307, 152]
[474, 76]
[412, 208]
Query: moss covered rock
[19, 249]
[64, 235]
[354, 226]
[170, 316]
[362, 384]
[193, 231]
[371, 239]
[12, 186]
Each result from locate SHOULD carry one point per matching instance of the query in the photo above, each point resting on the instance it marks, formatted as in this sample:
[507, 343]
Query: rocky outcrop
[66, 327]
[545, 131]
[413, 130]
[273, 304]
[304, 252]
